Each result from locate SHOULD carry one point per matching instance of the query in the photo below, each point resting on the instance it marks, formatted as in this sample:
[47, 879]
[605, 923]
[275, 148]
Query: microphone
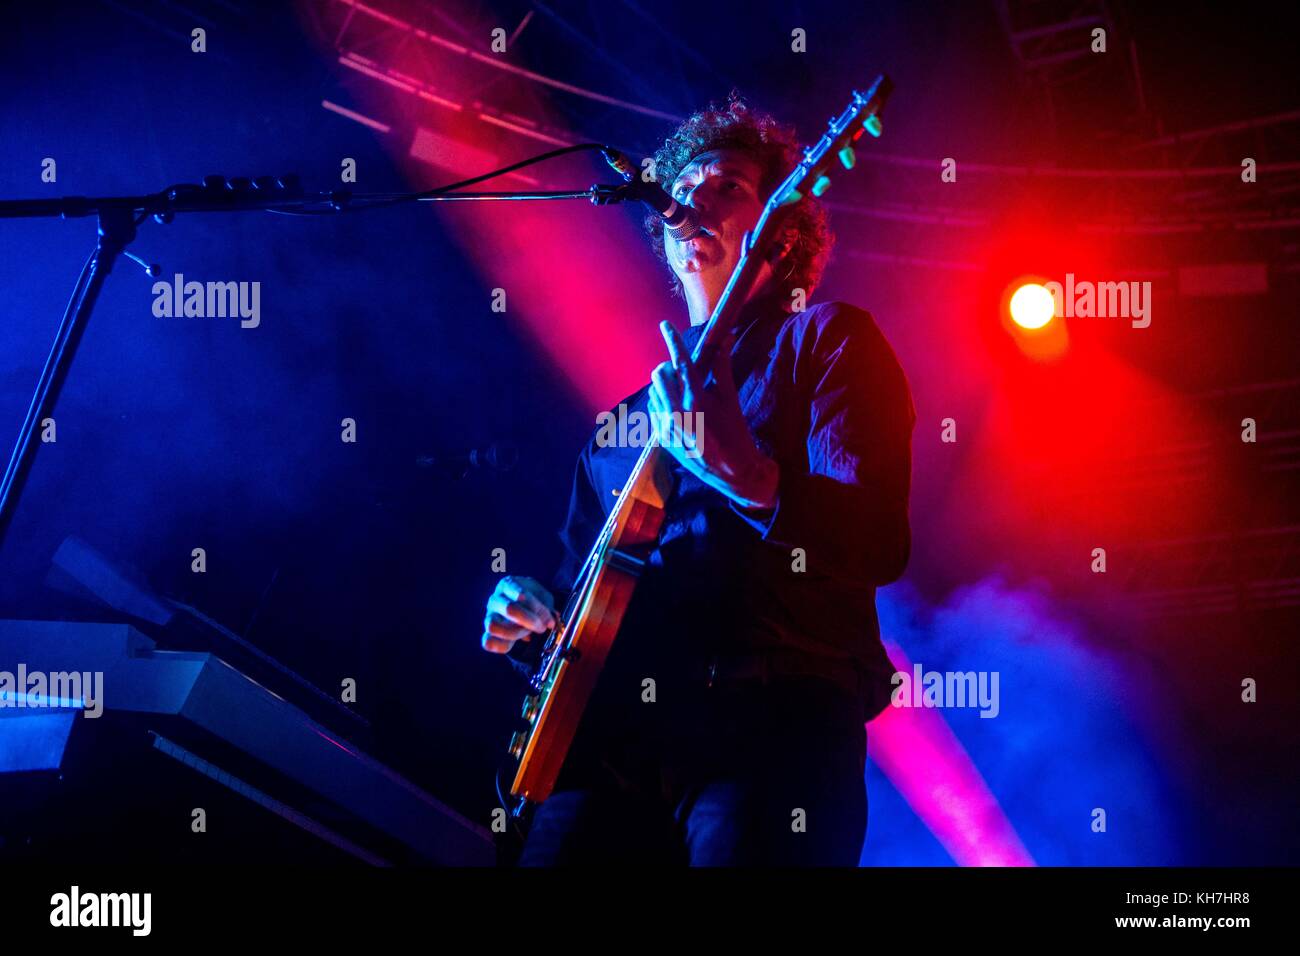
[498, 456]
[681, 222]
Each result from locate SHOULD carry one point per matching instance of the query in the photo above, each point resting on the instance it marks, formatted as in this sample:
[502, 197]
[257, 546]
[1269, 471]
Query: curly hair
[734, 125]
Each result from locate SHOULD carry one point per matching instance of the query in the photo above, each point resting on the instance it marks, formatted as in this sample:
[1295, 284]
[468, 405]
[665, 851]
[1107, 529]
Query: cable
[399, 198]
[504, 803]
[541, 158]
[440, 190]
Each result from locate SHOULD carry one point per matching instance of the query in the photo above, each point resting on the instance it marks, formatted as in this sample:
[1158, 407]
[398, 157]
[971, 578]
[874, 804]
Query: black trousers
[745, 774]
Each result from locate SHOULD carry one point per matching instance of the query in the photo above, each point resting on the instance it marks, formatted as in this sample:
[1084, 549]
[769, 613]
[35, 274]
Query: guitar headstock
[861, 116]
[812, 176]
[835, 149]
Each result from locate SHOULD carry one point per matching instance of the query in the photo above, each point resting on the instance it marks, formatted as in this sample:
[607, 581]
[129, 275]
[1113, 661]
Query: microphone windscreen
[687, 228]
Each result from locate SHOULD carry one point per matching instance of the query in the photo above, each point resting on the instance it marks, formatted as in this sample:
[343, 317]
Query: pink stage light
[926, 763]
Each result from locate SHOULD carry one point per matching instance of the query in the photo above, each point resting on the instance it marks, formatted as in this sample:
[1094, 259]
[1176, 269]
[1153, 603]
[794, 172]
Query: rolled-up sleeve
[847, 505]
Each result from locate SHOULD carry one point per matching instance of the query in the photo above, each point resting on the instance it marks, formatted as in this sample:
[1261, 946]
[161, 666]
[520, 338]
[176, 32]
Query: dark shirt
[824, 396]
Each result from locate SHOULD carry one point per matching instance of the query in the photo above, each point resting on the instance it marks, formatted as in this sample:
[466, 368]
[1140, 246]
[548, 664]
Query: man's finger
[663, 419]
[495, 644]
[538, 607]
[514, 590]
[669, 383]
[518, 613]
[512, 586]
[693, 378]
[497, 625]
[676, 346]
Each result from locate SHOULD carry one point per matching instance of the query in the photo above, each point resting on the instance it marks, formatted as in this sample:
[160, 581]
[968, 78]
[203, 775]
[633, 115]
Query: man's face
[723, 185]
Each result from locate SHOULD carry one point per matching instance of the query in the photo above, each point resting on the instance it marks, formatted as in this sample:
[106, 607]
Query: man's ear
[789, 241]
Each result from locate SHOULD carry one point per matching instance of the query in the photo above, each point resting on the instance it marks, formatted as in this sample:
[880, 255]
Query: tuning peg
[848, 157]
[822, 184]
[873, 125]
[790, 198]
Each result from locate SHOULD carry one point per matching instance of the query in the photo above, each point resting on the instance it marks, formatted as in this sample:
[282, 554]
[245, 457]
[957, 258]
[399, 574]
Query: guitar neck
[734, 296]
[860, 116]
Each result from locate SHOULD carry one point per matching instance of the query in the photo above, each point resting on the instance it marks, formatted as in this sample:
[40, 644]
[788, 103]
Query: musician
[728, 725]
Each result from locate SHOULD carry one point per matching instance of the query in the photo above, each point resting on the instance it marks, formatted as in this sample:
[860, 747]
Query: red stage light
[1032, 306]
[1028, 313]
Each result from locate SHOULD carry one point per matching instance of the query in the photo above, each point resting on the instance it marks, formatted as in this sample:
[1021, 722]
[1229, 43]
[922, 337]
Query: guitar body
[574, 653]
[576, 650]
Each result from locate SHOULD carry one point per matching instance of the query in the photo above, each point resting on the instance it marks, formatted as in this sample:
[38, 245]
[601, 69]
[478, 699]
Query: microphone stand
[119, 218]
